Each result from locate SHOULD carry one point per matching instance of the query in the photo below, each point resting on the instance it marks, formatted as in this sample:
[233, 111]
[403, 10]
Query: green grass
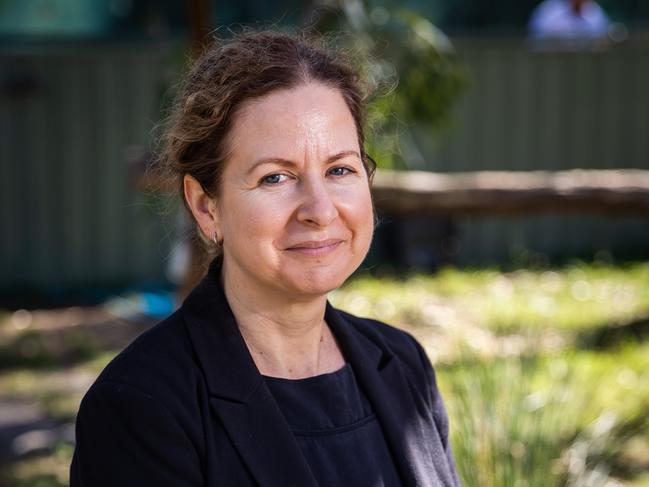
[549, 420]
[574, 298]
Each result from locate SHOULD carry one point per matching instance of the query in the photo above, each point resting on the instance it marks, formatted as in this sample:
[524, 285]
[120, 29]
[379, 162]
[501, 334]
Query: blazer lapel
[238, 393]
[408, 429]
[263, 438]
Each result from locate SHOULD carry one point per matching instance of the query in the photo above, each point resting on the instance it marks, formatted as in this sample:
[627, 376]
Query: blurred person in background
[257, 379]
[568, 19]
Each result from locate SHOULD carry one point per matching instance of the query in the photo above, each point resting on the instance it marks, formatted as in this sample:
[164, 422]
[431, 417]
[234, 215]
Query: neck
[577, 6]
[286, 337]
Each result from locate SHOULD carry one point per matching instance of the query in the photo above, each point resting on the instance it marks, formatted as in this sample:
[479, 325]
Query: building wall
[71, 118]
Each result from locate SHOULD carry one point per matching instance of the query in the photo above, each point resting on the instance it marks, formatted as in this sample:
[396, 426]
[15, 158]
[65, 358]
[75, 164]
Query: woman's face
[294, 207]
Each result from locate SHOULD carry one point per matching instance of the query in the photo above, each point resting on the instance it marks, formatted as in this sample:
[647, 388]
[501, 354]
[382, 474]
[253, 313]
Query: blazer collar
[229, 369]
[239, 395]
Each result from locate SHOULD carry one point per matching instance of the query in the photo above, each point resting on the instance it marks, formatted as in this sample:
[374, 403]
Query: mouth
[316, 248]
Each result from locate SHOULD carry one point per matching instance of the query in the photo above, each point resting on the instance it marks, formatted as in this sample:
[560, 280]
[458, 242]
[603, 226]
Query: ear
[202, 206]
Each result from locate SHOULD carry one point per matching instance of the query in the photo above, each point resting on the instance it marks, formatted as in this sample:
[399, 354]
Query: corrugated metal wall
[69, 214]
[529, 110]
[549, 110]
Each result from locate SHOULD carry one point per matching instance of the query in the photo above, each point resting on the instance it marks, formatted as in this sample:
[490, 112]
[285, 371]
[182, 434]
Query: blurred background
[512, 139]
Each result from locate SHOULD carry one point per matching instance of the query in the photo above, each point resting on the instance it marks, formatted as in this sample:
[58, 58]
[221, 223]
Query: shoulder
[388, 334]
[551, 7]
[413, 359]
[394, 340]
[138, 423]
[159, 364]
[548, 10]
[593, 12]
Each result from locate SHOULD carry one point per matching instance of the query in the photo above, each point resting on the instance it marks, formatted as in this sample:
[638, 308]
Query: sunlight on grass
[573, 419]
[569, 299]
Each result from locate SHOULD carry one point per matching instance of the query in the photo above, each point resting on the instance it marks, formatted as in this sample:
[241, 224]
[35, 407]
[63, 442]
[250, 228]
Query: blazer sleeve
[126, 437]
[439, 410]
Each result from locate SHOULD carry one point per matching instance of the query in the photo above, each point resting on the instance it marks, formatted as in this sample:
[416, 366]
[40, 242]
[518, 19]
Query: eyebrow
[287, 162]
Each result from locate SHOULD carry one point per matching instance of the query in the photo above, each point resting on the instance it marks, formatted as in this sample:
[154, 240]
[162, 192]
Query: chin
[318, 281]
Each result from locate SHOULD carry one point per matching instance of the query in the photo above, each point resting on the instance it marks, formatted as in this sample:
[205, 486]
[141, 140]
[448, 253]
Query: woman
[257, 379]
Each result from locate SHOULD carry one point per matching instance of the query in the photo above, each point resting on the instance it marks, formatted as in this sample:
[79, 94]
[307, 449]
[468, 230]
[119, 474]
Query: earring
[216, 239]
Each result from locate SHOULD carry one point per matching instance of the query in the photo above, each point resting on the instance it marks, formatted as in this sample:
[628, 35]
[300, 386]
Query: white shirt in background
[556, 19]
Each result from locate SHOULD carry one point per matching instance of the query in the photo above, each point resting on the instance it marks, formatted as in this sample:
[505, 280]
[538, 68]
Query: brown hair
[229, 73]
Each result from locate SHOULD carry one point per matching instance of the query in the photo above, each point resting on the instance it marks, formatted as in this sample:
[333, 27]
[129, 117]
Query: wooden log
[511, 192]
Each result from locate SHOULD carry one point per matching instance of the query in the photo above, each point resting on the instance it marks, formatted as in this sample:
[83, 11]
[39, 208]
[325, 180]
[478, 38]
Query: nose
[317, 207]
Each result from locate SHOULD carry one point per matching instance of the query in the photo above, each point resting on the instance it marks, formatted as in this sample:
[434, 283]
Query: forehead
[287, 123]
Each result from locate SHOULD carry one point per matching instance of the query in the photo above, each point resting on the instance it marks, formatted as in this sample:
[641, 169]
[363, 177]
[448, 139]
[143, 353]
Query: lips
[316, 248]
[315, 244]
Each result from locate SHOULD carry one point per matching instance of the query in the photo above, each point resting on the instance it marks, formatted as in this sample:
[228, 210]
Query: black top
[336, 429]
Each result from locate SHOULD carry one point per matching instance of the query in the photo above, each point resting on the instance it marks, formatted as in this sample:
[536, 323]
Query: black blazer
[184, 405]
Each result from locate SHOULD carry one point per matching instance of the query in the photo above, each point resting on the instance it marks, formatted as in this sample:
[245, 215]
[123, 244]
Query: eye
[341, 171]
[273, 179]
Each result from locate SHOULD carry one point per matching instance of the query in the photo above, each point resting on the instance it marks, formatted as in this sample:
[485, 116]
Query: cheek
[367, 223]
[359, 212]
[254, 219]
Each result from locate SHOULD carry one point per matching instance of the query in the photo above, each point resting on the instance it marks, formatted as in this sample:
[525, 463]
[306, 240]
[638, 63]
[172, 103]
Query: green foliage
[416, 75]
[506, 431]
[569, 419]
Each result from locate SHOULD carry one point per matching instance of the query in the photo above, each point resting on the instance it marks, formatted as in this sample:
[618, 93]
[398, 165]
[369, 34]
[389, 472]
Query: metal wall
[70, 119]
[549, 110]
